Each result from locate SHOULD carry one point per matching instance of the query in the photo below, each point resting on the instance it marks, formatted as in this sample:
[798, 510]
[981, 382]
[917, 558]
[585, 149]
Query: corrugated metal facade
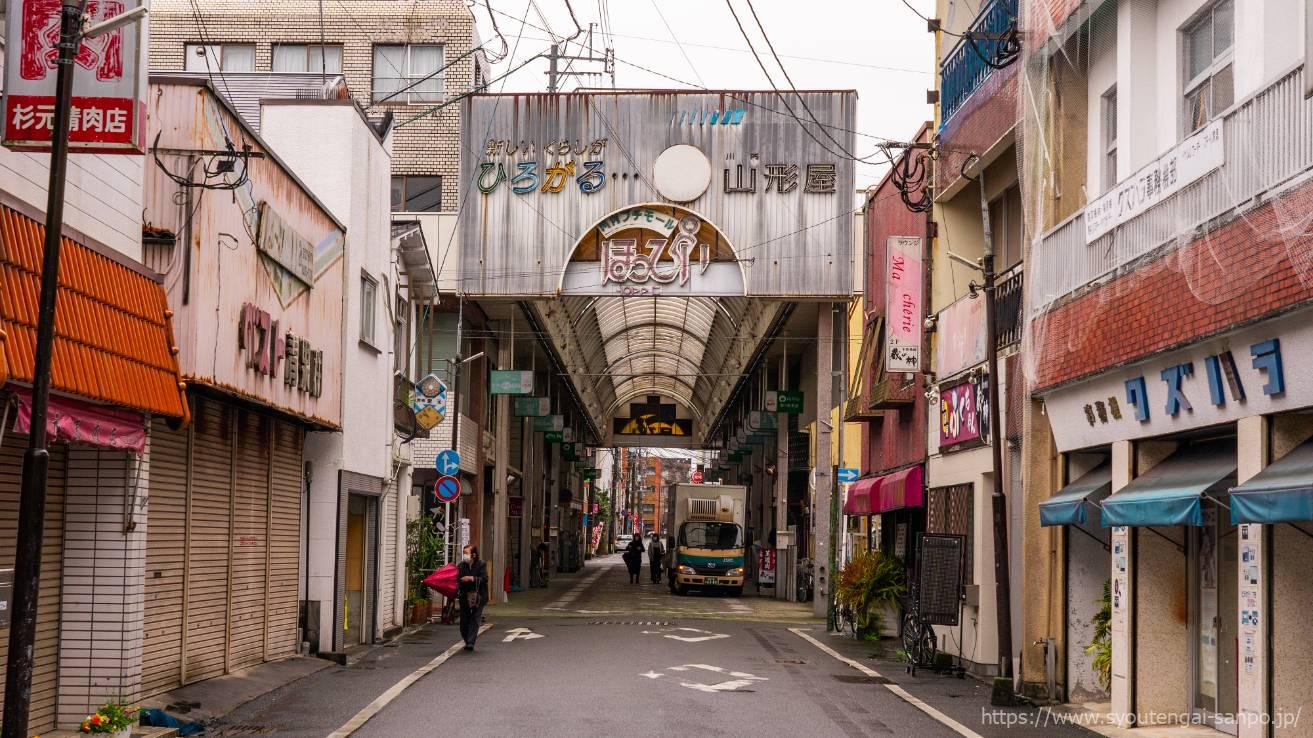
[791, 244]
[41, 715]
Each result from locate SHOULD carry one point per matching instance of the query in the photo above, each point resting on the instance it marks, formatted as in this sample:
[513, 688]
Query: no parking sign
[447, 489]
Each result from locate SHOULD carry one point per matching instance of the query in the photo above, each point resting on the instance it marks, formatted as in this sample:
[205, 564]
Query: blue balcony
[972, 61]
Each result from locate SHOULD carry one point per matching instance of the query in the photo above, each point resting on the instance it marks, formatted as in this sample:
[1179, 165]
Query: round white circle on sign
[682, 173]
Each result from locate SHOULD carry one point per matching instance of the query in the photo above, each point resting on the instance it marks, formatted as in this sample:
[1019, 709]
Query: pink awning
[893, 491]
[74, 421]
[898, 490]
[858, 501]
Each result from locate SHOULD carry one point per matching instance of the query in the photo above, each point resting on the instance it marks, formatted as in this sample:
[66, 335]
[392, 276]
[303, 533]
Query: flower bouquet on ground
[112, 719]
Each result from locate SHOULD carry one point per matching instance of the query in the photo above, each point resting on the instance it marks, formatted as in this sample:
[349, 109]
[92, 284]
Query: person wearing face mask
[471, 593]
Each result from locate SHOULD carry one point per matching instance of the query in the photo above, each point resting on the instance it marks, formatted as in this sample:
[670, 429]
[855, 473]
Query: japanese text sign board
[784, 401]
[903, 305]
[109, 80]
[961, 414]
[533, 407]
[512, 383]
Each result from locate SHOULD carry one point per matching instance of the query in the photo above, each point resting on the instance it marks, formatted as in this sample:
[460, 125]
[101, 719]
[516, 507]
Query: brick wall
[429, 145]
[1238, 273]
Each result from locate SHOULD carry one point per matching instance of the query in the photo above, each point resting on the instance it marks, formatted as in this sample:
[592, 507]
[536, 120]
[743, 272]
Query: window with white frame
[1209, 50]
[407, 73]
[368, 307]
[401, 337]
[308, 58]
[1109, 173]
[219, 57]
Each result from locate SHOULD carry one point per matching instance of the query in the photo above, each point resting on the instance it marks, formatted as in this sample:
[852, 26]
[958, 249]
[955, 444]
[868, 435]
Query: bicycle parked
[919, 640]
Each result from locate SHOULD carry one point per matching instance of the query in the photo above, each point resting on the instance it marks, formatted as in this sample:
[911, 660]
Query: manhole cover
[854, 679]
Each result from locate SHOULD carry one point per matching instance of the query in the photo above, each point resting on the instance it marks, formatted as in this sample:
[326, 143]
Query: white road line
[906, 696]
[373, 708]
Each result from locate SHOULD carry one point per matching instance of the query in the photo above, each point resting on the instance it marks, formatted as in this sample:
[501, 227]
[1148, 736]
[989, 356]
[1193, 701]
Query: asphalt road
[596, 656]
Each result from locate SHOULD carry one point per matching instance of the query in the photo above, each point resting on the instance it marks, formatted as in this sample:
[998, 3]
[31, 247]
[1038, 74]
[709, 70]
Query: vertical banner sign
[903, 297]
[109, 81]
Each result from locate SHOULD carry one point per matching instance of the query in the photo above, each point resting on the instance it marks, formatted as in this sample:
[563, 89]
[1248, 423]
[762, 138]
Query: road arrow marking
[707, 635]
[520, 634]
[741, 679]
[652, 675]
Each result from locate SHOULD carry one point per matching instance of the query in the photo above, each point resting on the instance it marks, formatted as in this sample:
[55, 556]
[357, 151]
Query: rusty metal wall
[791, 244]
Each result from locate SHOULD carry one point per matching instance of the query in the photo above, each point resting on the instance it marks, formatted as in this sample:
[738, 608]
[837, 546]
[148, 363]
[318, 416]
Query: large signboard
[557, 174]
[109, 80]
[903, 290]
[1186, 162]
[961, 337]
[963, 415]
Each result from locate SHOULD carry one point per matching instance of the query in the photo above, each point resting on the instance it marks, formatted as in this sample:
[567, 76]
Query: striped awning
[113, 330]
[1281, 493]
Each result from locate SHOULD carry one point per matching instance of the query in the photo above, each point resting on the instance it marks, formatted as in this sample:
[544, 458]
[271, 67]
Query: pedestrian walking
[634, 558]
[655, 556]
[472, 593]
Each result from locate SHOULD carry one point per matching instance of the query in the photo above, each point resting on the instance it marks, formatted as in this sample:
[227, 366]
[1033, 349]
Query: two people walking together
[633, 557]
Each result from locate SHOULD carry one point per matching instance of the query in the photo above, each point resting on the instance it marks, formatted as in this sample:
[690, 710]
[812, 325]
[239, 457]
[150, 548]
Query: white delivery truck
[706, 547]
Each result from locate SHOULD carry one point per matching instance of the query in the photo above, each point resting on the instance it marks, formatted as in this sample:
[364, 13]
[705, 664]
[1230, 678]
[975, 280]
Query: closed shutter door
[250, 542]
[388, 570]
[41, 714]
[285, 541]
[208, 553]
[166, 538]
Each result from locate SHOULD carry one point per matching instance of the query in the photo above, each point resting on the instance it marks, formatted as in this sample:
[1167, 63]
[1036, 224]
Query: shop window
[1209, 49]
[368, 307]
[407, 73]
[219, 58]
[416, 194]
[308, 58]
[949, 510]
[1005, 228]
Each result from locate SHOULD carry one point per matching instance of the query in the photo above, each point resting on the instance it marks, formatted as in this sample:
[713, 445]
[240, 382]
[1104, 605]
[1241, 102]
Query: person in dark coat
[634, 558]
[655, 555]
[471, 593]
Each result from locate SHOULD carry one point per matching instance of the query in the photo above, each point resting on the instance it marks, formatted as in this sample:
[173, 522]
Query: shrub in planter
[873, 585]
[1101, 644]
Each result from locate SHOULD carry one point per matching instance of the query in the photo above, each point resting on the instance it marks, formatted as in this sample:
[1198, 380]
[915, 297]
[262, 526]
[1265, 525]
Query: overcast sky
[877, 47]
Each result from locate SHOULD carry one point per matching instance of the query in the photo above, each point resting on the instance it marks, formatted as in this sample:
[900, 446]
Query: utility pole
[552, 57]
[36, 459]
[1000, 504]
[556, 75]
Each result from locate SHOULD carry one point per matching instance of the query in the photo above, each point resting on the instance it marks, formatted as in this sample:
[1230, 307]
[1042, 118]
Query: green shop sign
[552, 436]
[549, 424]
[784, 401]
[511, 383]
[532, 407]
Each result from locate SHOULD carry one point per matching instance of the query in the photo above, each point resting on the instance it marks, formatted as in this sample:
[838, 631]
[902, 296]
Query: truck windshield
[711, 535]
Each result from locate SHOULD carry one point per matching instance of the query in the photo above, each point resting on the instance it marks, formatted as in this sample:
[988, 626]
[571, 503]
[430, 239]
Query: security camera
[929, 323]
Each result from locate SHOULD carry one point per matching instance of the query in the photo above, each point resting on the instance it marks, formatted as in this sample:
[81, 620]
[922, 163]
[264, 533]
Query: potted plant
[111, 719]
[872, 585]
[425, 549]
[1100, 645]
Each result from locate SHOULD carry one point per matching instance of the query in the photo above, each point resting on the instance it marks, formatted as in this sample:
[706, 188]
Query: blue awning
[1067, 506]
[1281, 493]
[1171, 493]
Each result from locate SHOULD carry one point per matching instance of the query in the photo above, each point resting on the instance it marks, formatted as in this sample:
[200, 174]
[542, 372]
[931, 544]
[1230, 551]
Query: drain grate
[790, 661]
[650, 623]
[236, 730]
[854, 679]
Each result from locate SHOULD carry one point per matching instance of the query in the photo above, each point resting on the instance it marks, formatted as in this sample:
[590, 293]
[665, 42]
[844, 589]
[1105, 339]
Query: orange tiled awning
[113, 333]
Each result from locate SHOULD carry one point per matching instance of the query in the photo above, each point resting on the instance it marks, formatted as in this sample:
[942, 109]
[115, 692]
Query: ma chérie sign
[108, 114]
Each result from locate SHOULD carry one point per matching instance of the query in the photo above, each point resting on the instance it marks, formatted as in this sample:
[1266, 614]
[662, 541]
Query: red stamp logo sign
[108, 110]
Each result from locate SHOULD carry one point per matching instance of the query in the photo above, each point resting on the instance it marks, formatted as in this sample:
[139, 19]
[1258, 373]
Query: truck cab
[709, 549]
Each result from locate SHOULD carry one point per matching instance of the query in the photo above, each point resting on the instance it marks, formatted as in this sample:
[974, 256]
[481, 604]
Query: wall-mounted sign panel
[511, 382]
[903, 291]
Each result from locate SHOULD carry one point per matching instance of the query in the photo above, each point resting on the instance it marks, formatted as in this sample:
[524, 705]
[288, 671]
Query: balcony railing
[1007, 306]
[966, 68]
[1266, 143]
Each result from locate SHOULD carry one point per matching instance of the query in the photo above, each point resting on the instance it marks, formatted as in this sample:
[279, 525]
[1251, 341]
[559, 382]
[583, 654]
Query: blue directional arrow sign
[847, 475]
[448, 463]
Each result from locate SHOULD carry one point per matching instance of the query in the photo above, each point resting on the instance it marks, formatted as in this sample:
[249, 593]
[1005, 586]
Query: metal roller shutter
[249, 585]
[209, 550]
[41, 715]
[166, 559]
[285, 541]
[388, 568]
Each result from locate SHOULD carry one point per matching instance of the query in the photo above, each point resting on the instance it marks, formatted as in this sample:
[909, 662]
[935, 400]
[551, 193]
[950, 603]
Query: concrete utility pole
[1000, 503]
[821, 465]
[782, 589]
[501, 502]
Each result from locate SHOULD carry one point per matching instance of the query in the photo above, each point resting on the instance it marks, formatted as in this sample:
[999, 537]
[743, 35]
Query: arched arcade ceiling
[690, 349]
